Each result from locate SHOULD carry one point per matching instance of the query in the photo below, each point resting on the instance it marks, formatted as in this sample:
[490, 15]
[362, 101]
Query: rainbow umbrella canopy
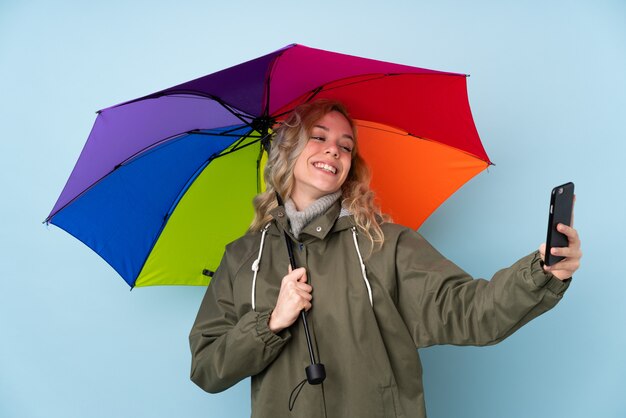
[165, 181]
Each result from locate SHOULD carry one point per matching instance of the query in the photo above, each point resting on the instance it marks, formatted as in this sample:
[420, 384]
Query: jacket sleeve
[441, 304]
[226, 348]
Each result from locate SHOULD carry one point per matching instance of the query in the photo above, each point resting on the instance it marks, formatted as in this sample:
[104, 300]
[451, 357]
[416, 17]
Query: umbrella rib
[212, 157]
[380, 76]
[374, 77]
[234, 146]
[447, 146]
[317, 90]
[169, 212]
[241, 147]
[196, 173]
[268, 80]
[227, 132]
[450, 146]
[323, 87]
[190, 181]
[312, 94]
[196, 132]
[363, 123]
[239, 115]
[258, 170]
[143, 152]
[170, 140]
[198, 95]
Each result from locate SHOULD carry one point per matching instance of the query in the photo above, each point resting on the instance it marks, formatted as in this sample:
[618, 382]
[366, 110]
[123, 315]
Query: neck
[302, 200]
[300, 218]
[302, 204]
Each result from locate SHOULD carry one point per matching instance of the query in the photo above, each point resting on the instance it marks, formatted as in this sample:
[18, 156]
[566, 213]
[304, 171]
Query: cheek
[301, 164]
[345, 174]
[297, 169]
[347, 165]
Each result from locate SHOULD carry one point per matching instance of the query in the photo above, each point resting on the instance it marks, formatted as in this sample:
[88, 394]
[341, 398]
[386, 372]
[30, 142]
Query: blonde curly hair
[288, 142]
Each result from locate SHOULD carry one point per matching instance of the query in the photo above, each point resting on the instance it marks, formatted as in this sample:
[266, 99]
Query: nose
[332, 150]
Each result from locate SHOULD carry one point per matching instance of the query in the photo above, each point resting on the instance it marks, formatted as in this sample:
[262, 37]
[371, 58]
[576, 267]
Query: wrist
[272, 325]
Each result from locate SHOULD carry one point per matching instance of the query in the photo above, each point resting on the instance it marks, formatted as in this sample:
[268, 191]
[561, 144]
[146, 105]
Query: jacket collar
[318, 228]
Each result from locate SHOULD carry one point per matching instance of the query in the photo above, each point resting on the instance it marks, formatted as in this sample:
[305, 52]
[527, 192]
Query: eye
[318, 138]
[346, 146]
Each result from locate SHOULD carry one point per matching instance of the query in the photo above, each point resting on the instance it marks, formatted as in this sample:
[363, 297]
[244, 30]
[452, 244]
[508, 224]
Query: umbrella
[166, 180]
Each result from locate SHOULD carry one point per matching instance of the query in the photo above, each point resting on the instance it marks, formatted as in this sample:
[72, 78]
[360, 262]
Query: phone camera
[560, 190]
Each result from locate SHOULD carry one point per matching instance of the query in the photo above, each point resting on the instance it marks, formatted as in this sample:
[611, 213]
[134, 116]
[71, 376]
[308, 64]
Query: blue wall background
[548, 92]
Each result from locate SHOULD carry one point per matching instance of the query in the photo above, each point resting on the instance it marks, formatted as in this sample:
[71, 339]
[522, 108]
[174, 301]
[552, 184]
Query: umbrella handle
[315, 372]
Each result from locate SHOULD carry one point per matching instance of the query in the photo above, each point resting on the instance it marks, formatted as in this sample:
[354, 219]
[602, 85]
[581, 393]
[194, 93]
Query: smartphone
[561, 205]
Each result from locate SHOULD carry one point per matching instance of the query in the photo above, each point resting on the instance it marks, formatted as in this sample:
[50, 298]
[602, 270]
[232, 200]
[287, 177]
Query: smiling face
[325, 162]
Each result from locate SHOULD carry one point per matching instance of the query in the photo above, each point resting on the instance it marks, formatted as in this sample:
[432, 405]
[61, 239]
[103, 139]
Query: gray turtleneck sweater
[300, 219]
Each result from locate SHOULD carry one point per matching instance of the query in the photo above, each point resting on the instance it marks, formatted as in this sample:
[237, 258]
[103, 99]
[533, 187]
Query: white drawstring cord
[363, 273]
[255, 266]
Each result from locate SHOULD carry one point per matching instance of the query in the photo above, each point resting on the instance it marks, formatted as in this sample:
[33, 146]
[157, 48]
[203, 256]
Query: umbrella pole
[315, 372]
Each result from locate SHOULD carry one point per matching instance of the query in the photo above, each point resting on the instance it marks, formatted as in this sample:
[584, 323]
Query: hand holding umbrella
[294, 297]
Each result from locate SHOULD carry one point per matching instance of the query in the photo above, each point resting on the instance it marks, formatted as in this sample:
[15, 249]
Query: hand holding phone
[561, 205]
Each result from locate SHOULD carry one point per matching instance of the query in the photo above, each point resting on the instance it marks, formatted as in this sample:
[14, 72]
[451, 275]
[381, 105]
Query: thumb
[302, 278]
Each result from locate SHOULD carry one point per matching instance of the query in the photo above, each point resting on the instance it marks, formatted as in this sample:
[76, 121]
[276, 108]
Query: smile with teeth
[325, 167]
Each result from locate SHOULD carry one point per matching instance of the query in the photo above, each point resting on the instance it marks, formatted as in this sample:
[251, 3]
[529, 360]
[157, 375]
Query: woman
[366, 323]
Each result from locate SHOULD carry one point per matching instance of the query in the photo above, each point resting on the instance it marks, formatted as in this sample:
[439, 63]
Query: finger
[294, 275]
[301, 301]
[564, 273]
[307, 306]
[542, 250]
[571, 233]
[567, 252]
[304, 295]
[296, 289]
[299, 271]
[567, 265]
[304, 287]
[302, 278]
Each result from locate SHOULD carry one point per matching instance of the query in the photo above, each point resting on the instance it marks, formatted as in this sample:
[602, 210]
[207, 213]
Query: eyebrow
[326, 129]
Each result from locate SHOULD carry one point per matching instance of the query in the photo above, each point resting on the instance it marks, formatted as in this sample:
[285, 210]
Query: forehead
[334, 122]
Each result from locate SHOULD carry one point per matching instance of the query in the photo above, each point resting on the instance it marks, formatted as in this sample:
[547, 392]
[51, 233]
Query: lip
[332, 164]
